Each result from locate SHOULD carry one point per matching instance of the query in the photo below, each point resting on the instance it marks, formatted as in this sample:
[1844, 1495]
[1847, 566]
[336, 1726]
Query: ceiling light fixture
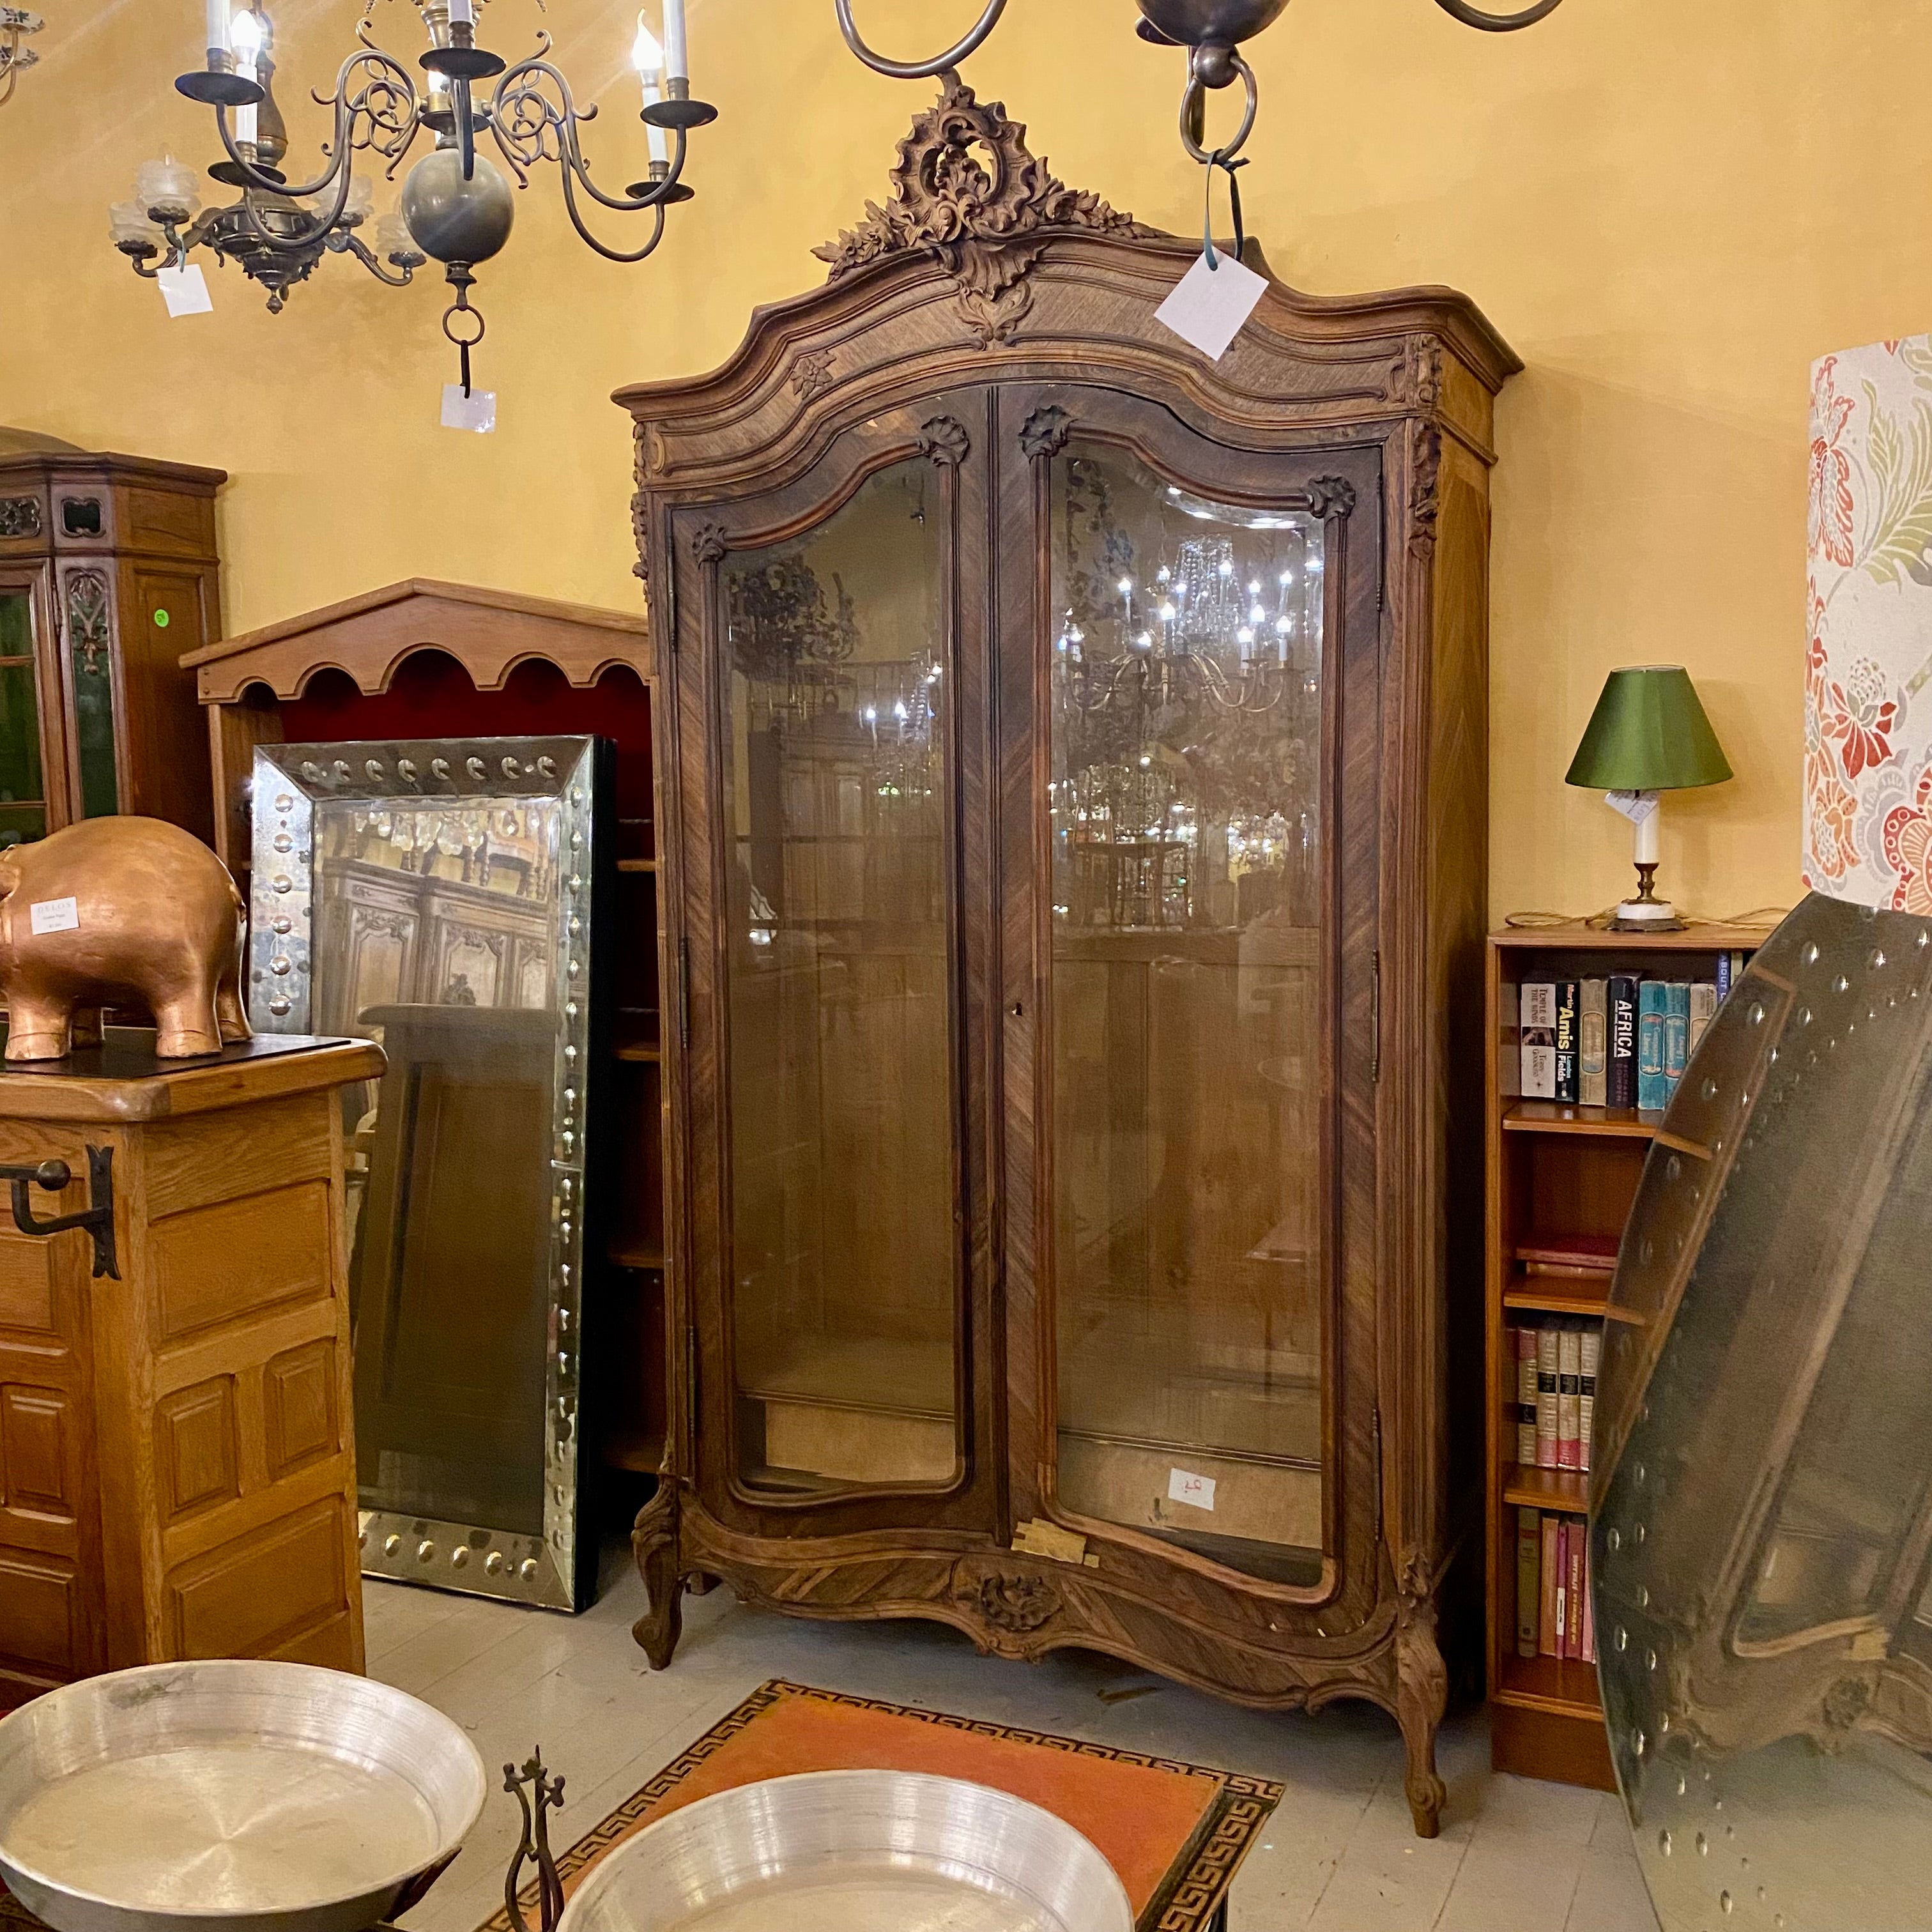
[456, 206]
[16, 23]
[1212, 31]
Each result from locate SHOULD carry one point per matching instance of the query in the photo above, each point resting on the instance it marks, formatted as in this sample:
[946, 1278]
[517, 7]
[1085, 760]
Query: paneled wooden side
[230, 1342]
[50, 1580]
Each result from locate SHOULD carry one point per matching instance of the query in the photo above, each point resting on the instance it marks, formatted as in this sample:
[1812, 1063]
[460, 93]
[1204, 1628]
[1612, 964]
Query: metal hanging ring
[918, 70]
[1195, 89]
[461, 307]
[1498, 23]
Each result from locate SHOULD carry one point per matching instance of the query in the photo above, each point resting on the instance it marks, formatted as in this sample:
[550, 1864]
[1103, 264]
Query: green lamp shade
[1648, 732]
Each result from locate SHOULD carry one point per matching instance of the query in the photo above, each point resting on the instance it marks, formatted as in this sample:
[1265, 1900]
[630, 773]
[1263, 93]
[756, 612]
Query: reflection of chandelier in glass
[456, 206]
[782, 630]
[15, 22]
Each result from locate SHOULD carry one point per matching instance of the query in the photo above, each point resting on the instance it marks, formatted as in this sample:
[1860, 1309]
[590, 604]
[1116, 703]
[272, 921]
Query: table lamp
[1649, 734]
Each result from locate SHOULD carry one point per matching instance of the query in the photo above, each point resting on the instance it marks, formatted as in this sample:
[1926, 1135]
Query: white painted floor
[1515, 1855]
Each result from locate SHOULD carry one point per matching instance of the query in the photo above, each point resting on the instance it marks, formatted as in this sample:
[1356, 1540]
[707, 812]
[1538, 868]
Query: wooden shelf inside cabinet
[1560, 1181]
[641, 1455]
[625, 1255]
[637, 865]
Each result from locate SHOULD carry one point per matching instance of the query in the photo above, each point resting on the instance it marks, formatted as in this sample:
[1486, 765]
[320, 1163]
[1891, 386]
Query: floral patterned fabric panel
[1868, 713]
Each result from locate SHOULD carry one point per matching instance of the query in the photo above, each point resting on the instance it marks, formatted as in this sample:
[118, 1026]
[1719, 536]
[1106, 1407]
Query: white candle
[462, 12]
[677, 59]
[217, 26]
[648, 58]
[247, 35]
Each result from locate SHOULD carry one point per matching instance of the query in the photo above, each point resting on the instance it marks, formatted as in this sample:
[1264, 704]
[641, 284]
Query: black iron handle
[97, 1217]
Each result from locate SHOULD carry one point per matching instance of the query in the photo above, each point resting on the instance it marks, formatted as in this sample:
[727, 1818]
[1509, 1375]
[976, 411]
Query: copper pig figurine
[120, 911]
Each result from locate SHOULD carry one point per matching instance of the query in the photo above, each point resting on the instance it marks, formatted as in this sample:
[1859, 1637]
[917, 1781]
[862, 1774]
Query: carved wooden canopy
[489, 632]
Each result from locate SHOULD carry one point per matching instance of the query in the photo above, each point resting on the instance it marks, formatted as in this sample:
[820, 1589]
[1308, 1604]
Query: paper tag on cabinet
[476, 411]
[56, 915]
[1198, 1491]
[185, 291]
[1209, 305]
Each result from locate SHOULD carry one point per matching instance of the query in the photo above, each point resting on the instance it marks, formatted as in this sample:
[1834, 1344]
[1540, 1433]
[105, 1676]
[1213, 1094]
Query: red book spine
[1589, 1611]
[1561, 1606]
[1572, 1645]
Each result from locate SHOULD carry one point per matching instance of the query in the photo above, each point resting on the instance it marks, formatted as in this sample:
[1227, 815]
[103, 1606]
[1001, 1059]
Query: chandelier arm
[1498, 23]
[350, 243]
[918, 70]
[522, 139]
[388, 79]
[317, 229]
[569, 177]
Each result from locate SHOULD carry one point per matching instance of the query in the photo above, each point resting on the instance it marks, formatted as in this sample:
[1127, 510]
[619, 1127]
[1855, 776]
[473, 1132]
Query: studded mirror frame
[555, 1570]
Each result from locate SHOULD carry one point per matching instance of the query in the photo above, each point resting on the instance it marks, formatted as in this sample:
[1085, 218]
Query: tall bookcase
[1562, 1179]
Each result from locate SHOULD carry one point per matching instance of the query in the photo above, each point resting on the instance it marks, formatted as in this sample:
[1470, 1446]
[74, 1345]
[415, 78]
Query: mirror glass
[437, 898]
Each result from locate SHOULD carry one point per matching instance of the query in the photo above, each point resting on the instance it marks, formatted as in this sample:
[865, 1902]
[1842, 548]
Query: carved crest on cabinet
[1331, 496]
[20, 516]
[811, 372]
[967, 191]
[1044, 433]
[707, 543]
[1010, 1601]
[944, 439]
[89, 630]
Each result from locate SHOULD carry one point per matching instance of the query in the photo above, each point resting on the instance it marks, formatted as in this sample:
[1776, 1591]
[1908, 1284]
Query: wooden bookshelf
[1562, 1179]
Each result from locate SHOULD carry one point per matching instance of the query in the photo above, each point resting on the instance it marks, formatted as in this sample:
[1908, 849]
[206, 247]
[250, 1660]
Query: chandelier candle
[677, 57]
[218, 42]
[648, 58]
[246, 32]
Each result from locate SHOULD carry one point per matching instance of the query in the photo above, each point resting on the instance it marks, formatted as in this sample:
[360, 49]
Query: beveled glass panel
[844, 1262]
[1189, 1266]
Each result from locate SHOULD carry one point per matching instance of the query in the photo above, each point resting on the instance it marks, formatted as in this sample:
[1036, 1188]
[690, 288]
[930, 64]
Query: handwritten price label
[1184, 1487]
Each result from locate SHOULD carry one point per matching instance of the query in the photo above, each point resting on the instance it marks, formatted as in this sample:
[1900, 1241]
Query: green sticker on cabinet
[161, 619]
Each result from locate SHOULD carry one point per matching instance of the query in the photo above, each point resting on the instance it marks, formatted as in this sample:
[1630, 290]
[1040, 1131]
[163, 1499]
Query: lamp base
[1646, 915]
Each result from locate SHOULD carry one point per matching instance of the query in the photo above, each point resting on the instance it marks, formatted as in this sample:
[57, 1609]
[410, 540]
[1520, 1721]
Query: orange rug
[1175, 1832]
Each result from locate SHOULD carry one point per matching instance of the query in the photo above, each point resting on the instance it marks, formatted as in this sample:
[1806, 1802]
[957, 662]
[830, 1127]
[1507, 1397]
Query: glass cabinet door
[23, 812]
[844, 1254]
[1188, 689]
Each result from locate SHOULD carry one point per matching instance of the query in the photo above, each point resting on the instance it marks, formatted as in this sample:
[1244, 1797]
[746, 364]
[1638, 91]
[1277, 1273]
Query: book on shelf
[1555, 1360]
[1569, 998]
[1620, 1078]
[1569, 1379]
[1676, 1033]
[1592, 1043]
[1703, 1009]
[1529, 1580]
[1538, 1039]
[1553, 1617]
[1526, 1393]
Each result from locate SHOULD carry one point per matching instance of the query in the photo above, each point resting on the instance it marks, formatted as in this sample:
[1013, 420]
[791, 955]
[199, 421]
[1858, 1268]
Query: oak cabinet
[1072, 759]
[108, 572]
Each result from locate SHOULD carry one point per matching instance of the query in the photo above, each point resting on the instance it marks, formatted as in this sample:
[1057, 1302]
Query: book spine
[1525, 1395]
[1509, 1040]
[1560, 1609]
[1539, 1040]
[1548, 1358]
[1573, 1641]
[1703, 1009]
[1589, 1610]
[1529, 1580]
[1620, 1071]
[1548, 1569]
[1652, 1003]
[1723, 977]
[1593, 1045]
[1676, 1033]
[1569, 1001]
[1590, 1356]
[1569, 1389]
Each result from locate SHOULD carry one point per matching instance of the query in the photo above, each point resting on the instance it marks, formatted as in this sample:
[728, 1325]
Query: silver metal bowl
[854, 1851]
[246, 1796]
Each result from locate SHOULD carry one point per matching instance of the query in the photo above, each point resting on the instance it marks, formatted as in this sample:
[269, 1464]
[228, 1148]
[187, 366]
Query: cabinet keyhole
[1018, 1011]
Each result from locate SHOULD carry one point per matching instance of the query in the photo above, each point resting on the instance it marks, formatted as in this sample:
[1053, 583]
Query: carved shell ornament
[967, 191]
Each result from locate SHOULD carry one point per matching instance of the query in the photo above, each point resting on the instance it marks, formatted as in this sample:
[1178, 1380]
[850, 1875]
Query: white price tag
[185, 291]
[1636, 806]
[1182, 1487]
[56, 915]
[476, 411]
[1209, 305]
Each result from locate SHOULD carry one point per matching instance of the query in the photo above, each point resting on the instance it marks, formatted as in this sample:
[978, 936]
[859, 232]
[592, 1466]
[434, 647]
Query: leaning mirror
[440, 898]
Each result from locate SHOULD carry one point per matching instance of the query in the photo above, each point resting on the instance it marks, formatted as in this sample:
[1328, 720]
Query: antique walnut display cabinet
[1072, 757]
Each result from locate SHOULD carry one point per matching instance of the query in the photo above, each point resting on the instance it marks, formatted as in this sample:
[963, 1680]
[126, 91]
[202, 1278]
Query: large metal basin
[243, 1797]
[854, 1851]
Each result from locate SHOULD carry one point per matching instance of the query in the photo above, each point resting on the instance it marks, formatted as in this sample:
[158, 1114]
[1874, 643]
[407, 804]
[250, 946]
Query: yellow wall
[1668, 206]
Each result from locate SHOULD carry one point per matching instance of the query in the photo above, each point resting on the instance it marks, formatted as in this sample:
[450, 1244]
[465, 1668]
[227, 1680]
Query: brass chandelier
[16, 23]
[1212, 31]
[456, 206]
